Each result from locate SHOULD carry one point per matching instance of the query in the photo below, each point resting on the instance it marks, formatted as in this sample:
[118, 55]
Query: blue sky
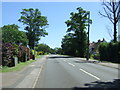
[57, 13]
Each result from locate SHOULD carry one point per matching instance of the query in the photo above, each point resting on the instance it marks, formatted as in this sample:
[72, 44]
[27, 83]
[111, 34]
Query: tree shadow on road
[60, 57]
[85, 61]
[102, 85]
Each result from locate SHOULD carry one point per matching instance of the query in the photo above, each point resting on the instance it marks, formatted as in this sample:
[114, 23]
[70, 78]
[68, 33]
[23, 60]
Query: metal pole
[88, 36]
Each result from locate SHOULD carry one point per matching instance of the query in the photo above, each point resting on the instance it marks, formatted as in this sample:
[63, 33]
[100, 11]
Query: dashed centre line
[71, 64]
[84, 71]
[89, 74]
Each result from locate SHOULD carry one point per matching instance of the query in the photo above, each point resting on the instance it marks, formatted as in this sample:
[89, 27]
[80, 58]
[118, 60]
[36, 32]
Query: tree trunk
[115, 22]
[115, 33]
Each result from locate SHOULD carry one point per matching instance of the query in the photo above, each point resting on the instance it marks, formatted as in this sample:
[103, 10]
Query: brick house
[93, 47]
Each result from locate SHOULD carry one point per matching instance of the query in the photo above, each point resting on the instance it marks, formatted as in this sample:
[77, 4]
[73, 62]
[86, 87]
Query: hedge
[110, 52]
[10, 51]
[23, 54]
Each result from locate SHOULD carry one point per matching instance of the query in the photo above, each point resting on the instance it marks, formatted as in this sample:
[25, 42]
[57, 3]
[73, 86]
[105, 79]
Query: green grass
[39, 56]
[18, 67]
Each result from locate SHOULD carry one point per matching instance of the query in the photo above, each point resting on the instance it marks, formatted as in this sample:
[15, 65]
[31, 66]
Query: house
[94, 45]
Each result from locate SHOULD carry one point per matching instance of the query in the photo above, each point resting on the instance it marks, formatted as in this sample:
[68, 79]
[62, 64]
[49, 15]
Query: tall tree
[58, 50]
[35, 25]
[112, 12]
[0, 34]
[11, 34]
[69, 44]
[77, 24]
[43, 47]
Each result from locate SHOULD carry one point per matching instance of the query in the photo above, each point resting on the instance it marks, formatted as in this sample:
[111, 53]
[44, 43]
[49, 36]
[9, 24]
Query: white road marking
[37, 77]
[77, 60]
[32, 65]
[71, 64]
[64, 60]
[89, 74]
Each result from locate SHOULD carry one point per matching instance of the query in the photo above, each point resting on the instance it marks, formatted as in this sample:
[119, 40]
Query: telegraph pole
[35, 27]
[87, 58]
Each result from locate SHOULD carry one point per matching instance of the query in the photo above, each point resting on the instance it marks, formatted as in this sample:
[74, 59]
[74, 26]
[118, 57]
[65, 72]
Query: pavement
[24, 78]
[29, 76]
[108, 64]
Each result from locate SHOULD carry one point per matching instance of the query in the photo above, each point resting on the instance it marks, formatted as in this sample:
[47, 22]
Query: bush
[8, 51]
[0, 53]
[103, 51]
[40, 53]
[24, 53]
[110, 52]
[95, 56]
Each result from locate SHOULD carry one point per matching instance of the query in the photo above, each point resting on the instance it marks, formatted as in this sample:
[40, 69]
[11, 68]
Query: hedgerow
[110, 52]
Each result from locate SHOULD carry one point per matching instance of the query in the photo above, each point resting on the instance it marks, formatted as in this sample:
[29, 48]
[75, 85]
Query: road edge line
[37, 76]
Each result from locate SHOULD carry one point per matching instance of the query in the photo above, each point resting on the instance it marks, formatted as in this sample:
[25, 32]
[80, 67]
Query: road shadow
[85, 61]
[60, 57]
[102, 85]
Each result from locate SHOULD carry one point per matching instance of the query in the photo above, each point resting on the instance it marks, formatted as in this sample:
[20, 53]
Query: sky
[57, 13]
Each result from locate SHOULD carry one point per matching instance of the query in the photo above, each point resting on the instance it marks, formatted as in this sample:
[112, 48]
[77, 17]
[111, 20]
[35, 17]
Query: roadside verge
[108, 64]
[24, 78]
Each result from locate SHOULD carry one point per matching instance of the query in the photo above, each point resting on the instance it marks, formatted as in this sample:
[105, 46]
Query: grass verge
[19, 66]
[39, 56]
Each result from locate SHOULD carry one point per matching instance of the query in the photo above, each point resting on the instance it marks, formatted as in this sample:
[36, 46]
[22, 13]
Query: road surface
[68, 72]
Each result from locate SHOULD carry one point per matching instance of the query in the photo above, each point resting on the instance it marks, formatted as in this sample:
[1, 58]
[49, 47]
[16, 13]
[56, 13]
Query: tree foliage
[0, 34]
[44, 48]
[57, 50]
[112, 12]
[110, 52]
[35, 25]
[11, 34]
[75, 42]
[23, 54]
[69, 44]
[8, 51]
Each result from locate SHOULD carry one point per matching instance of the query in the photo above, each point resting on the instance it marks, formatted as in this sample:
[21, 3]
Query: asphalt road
[68, 72]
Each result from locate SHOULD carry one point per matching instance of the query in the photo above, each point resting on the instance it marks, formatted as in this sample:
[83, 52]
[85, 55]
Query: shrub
[110, 52]
[24, 53]
[8, 51]
[96, 56]
[0, 53]
[40, 53]
[103, 51]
